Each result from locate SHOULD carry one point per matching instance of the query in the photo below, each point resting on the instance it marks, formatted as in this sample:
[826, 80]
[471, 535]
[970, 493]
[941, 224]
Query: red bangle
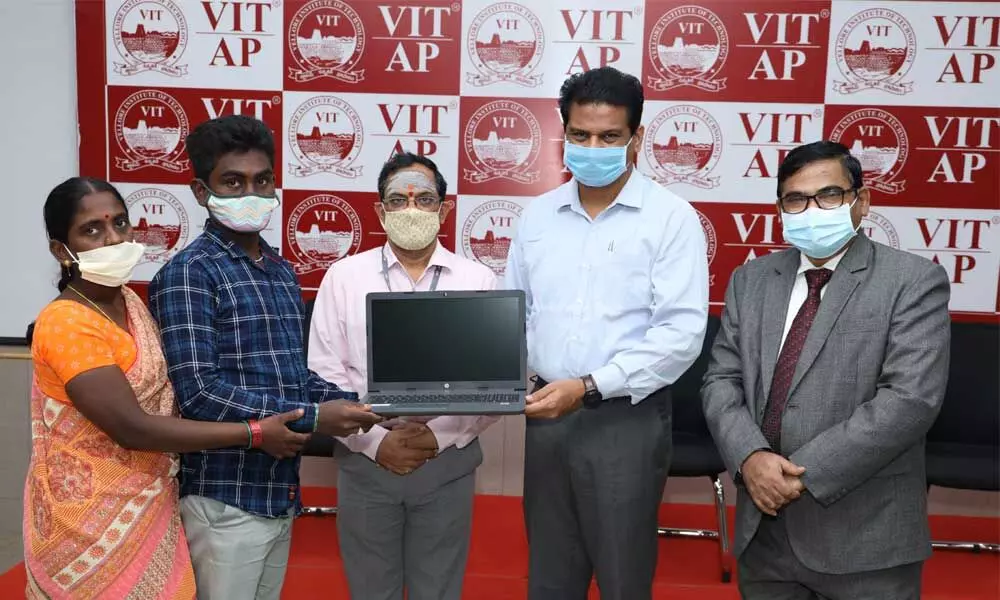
[256, 434]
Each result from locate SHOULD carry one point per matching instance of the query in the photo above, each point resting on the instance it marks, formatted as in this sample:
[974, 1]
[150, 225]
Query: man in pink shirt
[403, 519]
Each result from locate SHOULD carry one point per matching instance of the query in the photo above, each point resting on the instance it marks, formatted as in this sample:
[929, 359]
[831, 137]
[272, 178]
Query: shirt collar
[215, 233]
[805, 264]
[440, 258]
[630, 195]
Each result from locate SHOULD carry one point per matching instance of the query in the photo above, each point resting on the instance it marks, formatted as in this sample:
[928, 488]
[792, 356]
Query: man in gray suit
[829, 369]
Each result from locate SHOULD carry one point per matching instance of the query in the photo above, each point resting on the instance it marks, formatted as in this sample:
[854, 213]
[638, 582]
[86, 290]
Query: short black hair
[403, 160]
[606, 85]
[807, 154]
[213, 139]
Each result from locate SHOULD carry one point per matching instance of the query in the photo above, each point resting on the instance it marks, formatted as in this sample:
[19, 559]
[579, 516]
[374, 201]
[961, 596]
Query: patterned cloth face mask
[411, 228]
[247, 214]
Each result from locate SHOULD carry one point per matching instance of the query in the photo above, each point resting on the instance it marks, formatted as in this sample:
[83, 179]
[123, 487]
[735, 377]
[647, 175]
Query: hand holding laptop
[555, 399]
[342, 418]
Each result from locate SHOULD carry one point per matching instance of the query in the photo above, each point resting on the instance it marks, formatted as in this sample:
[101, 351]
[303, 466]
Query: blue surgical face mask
[595, 166]
[820, 233]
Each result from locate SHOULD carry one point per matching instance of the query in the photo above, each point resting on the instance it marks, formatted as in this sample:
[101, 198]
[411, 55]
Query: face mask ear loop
[857, 196]
[209, 192]
[76, 259]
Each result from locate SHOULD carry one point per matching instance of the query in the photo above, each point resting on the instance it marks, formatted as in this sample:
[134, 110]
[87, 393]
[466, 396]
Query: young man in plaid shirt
[230, 313]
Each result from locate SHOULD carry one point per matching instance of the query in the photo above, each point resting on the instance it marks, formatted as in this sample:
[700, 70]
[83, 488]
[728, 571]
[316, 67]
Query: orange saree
[100, 521]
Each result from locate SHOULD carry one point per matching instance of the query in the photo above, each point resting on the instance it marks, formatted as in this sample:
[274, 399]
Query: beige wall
[500, 473]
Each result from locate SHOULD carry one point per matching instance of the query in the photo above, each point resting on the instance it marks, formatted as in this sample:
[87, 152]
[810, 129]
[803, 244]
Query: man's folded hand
[772, 480]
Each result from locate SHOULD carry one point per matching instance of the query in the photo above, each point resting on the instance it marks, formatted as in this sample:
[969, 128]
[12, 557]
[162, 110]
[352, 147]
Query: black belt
[540, 383]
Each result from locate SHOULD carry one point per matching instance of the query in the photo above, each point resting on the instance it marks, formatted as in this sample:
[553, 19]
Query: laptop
[446, 353]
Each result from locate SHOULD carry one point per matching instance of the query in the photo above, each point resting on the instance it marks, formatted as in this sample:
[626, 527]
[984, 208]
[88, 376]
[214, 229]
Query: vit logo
[875, 50]
[782, 38]
[505, 43]
[959, 238]
[150, 35]
[417, 29]
[217, 107]
[326, 39]
[602, 30]
[977, 38]
[683, 144]
[771, 131]
[240, 26]
[418, 124]
[970, 137]
[757, 234]
[688, 47]
[878, 140]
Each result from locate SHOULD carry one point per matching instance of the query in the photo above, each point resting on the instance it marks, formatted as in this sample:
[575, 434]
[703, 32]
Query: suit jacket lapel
[776, 295]
[839, 290]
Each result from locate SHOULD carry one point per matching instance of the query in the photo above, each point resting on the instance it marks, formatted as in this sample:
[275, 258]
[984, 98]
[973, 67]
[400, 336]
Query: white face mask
[412, 228]
[110, 266]
[247, 214]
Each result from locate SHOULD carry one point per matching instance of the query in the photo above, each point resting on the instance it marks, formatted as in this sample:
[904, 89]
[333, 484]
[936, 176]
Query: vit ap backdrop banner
[731, 87]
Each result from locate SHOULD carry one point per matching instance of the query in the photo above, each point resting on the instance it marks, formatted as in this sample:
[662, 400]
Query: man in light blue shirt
[616, 278]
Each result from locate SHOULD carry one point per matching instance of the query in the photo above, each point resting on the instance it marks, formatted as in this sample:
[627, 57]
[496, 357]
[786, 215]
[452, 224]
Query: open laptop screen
[446, 339]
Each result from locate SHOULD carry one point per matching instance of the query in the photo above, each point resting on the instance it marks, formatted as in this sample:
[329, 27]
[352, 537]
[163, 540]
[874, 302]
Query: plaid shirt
[232, 336]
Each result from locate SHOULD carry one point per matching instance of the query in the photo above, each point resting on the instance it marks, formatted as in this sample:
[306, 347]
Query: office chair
[695, 454]
[963, 445]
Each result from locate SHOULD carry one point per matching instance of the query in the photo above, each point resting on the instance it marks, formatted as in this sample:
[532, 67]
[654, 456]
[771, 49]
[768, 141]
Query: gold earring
[67, 263]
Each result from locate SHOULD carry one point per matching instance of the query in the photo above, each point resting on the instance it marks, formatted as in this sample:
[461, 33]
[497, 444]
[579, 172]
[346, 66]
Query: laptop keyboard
[433, 398]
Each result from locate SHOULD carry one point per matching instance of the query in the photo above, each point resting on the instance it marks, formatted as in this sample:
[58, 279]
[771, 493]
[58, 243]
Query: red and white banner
[731, 87]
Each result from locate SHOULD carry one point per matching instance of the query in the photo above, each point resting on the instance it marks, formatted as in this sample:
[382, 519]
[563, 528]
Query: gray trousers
[406, 531]
[236, 555]
[769, 570]
[593, 483]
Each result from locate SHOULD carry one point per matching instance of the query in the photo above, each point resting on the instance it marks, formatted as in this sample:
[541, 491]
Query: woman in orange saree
[101, 516]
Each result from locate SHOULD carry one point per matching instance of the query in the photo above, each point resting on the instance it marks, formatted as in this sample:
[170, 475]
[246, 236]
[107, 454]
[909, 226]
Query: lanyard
[385, 275]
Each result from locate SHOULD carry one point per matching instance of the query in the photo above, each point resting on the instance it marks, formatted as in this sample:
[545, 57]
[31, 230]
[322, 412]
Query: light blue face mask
[820, 233]
[595, 166]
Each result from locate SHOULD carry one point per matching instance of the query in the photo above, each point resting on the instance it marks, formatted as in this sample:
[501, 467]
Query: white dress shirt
[623, 297]
[338, 346]
[800, 289]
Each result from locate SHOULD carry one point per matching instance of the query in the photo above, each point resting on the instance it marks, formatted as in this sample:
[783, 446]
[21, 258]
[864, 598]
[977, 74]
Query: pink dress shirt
[338, 337]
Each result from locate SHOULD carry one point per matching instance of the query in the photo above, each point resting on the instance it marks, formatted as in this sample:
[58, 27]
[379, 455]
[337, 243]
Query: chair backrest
[306, 322]
[970, 413]
[689, 417]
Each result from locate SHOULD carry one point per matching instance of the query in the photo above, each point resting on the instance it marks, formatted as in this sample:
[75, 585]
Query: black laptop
[446, 353]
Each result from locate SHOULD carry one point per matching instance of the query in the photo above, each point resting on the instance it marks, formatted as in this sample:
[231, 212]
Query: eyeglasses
[427, 202]
[827, 199]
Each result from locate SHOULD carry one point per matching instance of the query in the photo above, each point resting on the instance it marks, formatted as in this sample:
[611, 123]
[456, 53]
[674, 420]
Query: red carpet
[688, 568]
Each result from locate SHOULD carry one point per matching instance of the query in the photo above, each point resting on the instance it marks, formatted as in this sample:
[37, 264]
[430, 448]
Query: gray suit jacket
[868, 385]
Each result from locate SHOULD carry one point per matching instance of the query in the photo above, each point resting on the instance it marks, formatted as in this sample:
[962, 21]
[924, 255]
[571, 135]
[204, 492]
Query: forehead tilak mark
[410, 179]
